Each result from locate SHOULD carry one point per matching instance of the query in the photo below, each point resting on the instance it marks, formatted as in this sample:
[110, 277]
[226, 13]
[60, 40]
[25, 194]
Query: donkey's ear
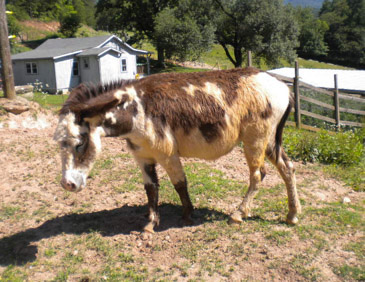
[96, 106]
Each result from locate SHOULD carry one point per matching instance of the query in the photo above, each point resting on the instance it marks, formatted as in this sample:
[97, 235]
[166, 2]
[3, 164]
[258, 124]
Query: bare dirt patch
[51, 26]
[50, 234]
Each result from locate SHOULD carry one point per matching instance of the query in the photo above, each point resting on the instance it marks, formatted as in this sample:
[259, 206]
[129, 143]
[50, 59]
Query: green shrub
[343, 148]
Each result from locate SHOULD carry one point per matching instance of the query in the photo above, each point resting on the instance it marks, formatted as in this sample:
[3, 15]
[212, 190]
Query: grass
[343, 152]
[217, 58]
[49, 101]
[212, 249]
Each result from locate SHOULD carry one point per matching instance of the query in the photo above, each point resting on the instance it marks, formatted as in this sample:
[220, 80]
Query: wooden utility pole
[5, 57]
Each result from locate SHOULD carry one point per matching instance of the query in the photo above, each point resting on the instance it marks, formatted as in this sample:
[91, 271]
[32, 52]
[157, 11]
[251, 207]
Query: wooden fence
[333, 105]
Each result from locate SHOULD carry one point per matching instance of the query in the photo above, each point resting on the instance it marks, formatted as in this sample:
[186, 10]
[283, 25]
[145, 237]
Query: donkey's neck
[118, 121]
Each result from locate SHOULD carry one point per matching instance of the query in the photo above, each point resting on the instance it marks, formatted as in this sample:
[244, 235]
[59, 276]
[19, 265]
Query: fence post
[249, 59]
[336, 102]
[297, 96]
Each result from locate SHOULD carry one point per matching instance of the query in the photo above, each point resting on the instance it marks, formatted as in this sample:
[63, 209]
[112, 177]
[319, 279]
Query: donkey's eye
[80, 147]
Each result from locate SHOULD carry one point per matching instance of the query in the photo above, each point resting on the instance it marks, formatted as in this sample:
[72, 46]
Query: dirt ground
[48, 234]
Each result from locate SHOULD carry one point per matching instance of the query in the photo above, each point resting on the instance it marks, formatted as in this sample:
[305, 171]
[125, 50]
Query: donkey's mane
[88, 91]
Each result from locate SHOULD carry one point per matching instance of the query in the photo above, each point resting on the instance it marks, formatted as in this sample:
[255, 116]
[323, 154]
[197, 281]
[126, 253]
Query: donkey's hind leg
[287, 172]
[151, 186]
[174, 169]
[255, 156]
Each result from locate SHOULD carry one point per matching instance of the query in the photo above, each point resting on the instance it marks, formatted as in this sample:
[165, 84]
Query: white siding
[90, 74]
[65, 78]
[46, 73]
[110, 67]
[114, 43]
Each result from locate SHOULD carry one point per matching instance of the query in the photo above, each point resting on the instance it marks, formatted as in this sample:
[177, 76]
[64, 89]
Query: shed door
[75, 75]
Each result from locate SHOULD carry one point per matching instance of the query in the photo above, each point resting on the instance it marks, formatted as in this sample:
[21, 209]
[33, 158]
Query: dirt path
[49, 234]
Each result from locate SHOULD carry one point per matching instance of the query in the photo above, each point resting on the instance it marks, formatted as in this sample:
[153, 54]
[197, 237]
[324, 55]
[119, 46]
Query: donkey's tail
[280, 128]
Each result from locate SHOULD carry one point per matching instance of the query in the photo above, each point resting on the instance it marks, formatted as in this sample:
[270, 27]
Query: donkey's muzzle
[69, 186]
[73, 181]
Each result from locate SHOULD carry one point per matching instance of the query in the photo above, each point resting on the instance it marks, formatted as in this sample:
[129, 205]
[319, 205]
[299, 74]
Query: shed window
[31, 68]
[75, 68]
[123, 65]
[85, 62]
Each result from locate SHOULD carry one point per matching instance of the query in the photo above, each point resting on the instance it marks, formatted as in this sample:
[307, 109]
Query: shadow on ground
[18, 249]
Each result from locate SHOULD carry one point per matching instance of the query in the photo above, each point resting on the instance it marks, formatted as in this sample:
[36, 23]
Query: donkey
[167, 116]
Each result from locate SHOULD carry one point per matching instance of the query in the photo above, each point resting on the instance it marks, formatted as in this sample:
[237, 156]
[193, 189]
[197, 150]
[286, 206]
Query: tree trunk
[227, 53]
[160, 56]
[238, 57]
[7, 68]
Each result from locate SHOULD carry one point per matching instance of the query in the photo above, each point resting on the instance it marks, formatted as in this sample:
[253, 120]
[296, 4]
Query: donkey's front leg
[174, 169]
[151, 186]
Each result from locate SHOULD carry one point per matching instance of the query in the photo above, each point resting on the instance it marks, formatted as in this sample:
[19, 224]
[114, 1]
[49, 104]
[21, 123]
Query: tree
[345, 37]
[312, 32]
[134, 17]
[69, 24]
[185, 31]
[266, 27]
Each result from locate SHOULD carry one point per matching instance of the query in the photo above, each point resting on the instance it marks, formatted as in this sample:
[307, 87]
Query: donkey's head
[79, 147]
[80, 126]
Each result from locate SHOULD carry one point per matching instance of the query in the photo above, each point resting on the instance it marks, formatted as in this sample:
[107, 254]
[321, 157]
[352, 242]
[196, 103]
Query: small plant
[343, 148]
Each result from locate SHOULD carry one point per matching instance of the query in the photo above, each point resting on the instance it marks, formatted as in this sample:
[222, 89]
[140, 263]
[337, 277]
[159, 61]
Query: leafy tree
[135, 18]
[14, 27]
[69, 24]
[185, 31]
[266, 27]
[312, 32]
[346, 34]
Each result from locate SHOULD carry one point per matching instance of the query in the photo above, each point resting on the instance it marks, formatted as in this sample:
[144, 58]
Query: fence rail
[332, 104]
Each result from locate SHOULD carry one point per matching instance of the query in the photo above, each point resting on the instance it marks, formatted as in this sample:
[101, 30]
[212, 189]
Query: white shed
[61, 64]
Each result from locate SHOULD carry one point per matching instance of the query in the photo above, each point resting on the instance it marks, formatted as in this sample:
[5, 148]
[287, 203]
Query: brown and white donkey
[167, 116]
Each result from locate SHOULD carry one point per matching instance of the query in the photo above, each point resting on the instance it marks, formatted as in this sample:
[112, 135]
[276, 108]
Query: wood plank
[355, 99]
[352, 123]
[304, 126]
[306, 113]
[343, 110]
[320, 90]
[314, 101]
[311, 128]
[283, 78]
[351, 111]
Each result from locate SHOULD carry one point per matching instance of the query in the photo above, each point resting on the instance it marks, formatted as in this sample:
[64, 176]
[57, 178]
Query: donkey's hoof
[235, 218]
[291, 220]
[149, 228]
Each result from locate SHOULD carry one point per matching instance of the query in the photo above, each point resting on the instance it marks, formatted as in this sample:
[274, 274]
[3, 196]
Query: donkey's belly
[195, 145]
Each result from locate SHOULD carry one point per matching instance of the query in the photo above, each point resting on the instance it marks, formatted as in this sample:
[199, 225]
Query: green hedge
[344, 148]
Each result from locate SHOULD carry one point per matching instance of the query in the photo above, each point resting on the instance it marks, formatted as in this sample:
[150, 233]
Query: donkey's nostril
[73, 186]
[68, 185]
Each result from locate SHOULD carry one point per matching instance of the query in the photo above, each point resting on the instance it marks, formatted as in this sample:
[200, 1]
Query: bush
[344, 148]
